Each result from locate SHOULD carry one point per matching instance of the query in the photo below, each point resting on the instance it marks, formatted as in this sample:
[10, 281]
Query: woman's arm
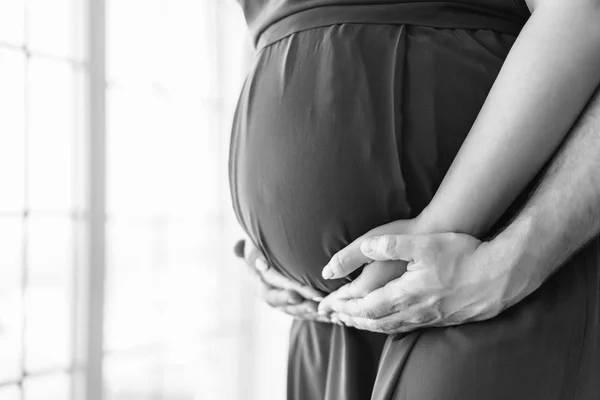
[459, 281]
[546, 80]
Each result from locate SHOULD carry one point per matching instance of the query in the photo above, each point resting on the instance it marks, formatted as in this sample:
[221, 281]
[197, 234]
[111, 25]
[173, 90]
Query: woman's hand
[451, 279]
[291, 297]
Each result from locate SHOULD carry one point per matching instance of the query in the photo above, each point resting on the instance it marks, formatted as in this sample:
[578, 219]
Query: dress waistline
[432, 14]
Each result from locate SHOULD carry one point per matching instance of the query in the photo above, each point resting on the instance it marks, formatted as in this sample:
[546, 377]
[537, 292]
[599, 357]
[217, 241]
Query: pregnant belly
[344, 128]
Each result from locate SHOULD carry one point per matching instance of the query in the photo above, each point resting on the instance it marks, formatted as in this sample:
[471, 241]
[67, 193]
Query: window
[173, 318]
[41, 86]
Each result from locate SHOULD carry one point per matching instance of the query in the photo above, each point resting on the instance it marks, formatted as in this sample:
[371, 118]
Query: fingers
[359, 287]
[345, 261]
[373, 276]
[270, 277]
[254, 258]
[393, 247]
[377, 304]
[406, 320]
[293, 304]
[306, 310]
[307, 292]
[383, 325]
[276, 279]
[351, 257]
[281, 298]
[304, 307]
[345, 292]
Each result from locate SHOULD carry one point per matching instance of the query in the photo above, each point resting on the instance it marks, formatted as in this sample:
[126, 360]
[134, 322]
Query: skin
[545, 82]
[290, 297]
[543, 112]
[455, 278]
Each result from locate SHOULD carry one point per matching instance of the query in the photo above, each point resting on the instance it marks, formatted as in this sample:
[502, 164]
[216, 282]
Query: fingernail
[327, 272]
[261, 265]
[317, 299]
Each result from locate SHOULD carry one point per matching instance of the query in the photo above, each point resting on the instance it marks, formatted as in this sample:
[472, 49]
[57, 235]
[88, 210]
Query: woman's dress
[349, 118]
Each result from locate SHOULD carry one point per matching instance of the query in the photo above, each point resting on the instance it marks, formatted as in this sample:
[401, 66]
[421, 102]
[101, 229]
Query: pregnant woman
[351, 117]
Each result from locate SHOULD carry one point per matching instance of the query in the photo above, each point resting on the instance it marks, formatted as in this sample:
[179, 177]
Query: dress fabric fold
[350, 123]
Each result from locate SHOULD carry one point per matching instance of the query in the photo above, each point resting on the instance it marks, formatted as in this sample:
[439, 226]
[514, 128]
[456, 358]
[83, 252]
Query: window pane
[132, 377]
[51, 135]
[10, 393]
[177, 380]
[235, 60]
[52, 387]
[49, 299]
[222, 355]
[137, 141]
[187, 57]
[12, 126]
[163, 155]
[132, 53]
[12, 21]
[52, 26]
[11, 251]
[131, 310]
[189, 282]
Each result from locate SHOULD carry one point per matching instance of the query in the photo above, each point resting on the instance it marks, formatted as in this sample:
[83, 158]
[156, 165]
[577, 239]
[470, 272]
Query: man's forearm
[563, 213]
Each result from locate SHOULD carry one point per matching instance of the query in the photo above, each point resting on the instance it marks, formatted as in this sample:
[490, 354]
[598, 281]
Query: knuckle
[369, 314]
[410, 302]
[383, 327]
[388, 246]
[424, 245]
[374, 326]
[354, 289]
[424, 319]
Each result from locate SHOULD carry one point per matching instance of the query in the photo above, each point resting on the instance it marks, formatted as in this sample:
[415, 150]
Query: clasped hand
[416, 281]
[280, 292]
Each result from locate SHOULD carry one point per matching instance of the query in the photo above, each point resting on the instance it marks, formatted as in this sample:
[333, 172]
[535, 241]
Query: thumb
[393, 247]
[345, 261]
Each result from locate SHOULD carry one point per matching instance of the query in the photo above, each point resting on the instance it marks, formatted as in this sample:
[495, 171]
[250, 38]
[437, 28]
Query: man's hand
[279, 292]
[451, 279]
[374, 275]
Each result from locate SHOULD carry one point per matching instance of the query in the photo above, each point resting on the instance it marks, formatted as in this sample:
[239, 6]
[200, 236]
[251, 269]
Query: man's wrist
[520, 249]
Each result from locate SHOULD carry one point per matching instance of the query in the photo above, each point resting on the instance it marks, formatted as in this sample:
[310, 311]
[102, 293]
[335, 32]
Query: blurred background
[117, 276]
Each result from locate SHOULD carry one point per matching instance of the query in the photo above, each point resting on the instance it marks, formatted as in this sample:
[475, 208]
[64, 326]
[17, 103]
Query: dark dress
[349, 118]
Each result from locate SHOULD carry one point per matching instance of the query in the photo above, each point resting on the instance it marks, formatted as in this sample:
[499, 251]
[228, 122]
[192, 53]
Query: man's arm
[563, 213]
[454, 279]
[543, 85]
